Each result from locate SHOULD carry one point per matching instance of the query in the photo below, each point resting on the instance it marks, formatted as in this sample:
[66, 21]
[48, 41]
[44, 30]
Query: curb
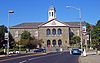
[2, 56]
[36, 54]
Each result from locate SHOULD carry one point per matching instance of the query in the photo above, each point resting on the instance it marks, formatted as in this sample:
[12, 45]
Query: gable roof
[54, 22]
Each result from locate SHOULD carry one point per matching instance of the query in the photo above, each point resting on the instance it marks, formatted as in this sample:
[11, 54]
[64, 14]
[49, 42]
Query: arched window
[59, 42]
[52, 14]
[54, 31]
[59, 31]
[48, 31]
[48, 43]
[49, 13]
[54, 43]
[16, 34]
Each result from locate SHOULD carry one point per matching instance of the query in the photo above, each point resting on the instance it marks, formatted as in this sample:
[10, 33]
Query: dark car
[2, 52]
[75, 52]
[40, 50]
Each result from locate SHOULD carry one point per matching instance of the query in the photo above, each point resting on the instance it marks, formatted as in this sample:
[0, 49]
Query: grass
[14, 49]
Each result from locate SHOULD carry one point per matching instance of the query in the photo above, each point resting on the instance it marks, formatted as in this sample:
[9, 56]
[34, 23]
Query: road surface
[64, 57]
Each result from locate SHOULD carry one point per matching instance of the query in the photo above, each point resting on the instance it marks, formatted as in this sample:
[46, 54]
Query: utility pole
[81, 32]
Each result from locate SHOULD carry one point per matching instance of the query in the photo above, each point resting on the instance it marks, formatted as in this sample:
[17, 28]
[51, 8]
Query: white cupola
[51, 13]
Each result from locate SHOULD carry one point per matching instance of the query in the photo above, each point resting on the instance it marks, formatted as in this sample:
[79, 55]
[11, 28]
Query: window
[59, 31]
[16, 34]
[49, 13]
[52, 14]
[78, 32]
[54, 43]
[48, 32]
[59, 42]
[48, 43]
[54, 31]
[36, 33]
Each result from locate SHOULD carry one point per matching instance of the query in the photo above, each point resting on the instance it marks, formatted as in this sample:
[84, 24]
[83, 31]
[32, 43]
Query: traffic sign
[6, 36]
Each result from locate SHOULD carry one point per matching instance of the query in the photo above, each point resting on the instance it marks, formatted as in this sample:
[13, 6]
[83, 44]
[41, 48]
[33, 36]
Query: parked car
[14, 52]
[17, 52]
[40, 50]
[11, 52]
[75, 51]
[2, 52]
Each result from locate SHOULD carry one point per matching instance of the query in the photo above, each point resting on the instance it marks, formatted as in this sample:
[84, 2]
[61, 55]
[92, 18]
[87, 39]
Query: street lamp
[9, 12]
[80, 16]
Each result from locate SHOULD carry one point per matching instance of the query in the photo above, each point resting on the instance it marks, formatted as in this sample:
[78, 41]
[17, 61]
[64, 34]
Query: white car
[11, 52]
[16, 52]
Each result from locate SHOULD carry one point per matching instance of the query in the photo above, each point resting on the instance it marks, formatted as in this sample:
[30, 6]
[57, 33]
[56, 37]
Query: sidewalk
[2, 56]
[91, 58]
[6, 55]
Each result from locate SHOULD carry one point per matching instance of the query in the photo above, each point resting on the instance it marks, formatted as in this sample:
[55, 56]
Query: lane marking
[41, 57]
[14, 58]
[29, 59]
[23, 56]
[24, 61]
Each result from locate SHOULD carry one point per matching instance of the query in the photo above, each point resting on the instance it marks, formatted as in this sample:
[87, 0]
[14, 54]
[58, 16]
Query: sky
[37, 11]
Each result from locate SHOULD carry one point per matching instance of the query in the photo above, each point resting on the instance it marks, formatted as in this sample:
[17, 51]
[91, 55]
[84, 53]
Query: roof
[28, 25]
[51, 8]
[37, 24]
[74, 24]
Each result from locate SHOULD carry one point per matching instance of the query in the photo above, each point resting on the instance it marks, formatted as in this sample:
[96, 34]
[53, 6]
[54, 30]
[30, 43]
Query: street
[64, 57]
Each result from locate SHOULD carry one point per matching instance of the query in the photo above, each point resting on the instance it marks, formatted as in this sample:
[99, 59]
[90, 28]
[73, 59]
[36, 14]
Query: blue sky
[36, 11]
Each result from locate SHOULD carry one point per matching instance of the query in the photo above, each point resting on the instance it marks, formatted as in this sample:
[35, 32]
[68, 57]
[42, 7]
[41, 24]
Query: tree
[40, 42]
[88, 27]
[3, 30]
[71, 34]
[28, 41]
[95, 35]
[25, 37]
[75, 40]
[98, 23]
[11, 40]
[34, 42]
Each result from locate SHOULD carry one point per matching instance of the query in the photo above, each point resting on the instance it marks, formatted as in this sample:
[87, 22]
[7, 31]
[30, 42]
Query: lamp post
[9, 12]
[80, 16]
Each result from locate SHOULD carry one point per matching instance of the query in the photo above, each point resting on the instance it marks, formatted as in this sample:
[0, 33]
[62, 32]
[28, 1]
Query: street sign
[84, 28]
[6, 36]
[87, 37]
